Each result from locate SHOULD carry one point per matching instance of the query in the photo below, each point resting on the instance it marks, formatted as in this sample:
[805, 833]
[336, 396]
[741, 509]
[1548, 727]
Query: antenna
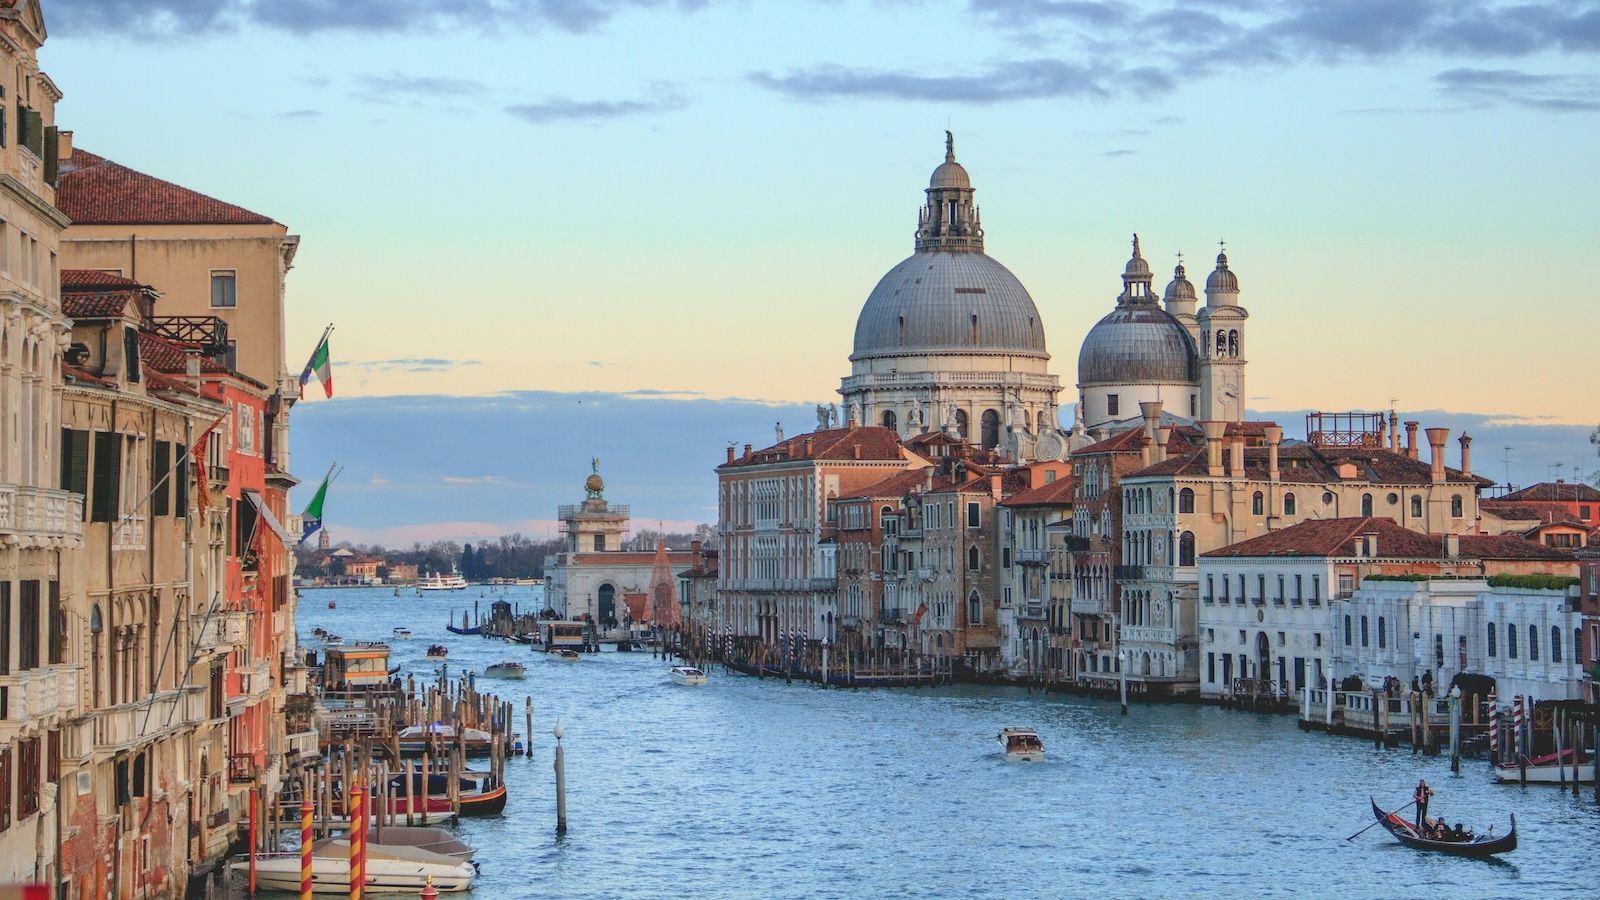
[1508, 467]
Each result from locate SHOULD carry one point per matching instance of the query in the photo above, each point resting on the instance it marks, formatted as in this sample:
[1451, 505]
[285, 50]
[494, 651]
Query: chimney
[927, 479]
[1436, 439]
[994, 486]
[1236, 455]
[1452, 546]
[1163, 438]
[1411, 440]
[730, 454]
[746, 451]
[1274, 436]
[1214, 432]
[1151, 410]
[808, 445]
[64, 142]
[855, 451]
[694, 549]
[1466, 455]
[1394, 432]
[1383, 438]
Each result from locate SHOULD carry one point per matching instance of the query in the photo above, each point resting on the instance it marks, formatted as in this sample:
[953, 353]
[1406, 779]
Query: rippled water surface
[757, 788]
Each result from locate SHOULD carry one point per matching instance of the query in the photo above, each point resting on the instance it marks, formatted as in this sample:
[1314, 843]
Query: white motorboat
[1543, 770]
[687, 675]
[390, 868]
[441, 582]
[1021, 745]
[332, 640]
[402, 634]
[508, 669]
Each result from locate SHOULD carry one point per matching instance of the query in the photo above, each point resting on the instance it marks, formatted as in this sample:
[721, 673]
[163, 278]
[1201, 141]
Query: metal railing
[1129, 573]
[209, 332]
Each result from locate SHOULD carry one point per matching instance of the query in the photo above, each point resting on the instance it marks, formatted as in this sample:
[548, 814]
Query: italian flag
[321, 366]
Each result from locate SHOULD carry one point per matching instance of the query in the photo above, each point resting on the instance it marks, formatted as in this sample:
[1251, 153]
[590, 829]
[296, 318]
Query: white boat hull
[331, 875]
[687, 678]
[1025, 756]
[1545, 774]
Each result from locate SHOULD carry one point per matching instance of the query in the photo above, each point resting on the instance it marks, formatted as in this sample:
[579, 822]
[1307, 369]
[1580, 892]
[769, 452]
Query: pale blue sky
[607, 195]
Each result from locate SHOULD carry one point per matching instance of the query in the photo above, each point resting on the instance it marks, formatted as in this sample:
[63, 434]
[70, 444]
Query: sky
[498, 197]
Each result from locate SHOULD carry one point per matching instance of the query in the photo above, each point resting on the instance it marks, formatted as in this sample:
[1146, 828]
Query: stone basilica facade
[951, 341]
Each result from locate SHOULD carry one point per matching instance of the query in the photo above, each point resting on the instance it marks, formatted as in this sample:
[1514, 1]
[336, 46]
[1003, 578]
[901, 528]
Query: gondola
[1406, 833]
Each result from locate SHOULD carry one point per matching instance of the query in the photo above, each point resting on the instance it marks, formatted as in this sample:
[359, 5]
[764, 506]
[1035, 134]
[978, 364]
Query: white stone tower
[1222, 359]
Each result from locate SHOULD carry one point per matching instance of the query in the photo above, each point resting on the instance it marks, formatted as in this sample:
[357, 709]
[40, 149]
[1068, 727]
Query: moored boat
[416, 739]
[1545, 770]
[687, 675]
[566, 655]
[389, 868]
[508, 669]
[1021, 745]
[437, 651]
[1406, 832]
[402, 634]
[332, 640]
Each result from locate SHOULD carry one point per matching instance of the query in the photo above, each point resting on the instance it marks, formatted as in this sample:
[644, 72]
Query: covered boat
[402, 634]
[508, 669]
[1545, 770]
[390, 868]
[414, 740]
[687, 675]
[1406, 832]
[438, 651]
[1021, 745]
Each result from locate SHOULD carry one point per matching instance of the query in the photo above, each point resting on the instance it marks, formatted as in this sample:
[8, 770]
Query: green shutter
[35, 132]
[52, 155]
[160, 476]
[130, 352]
[180, 481]
[107, 476]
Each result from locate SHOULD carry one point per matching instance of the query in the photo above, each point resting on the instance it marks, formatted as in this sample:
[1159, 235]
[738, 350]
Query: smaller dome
[1136, 268]
[1138, 344]
[1222, 280]
[1180, 288]
[950, 173]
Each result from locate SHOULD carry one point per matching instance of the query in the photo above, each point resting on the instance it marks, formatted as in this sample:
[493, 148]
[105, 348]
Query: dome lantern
[1136, 279]
[949, 220]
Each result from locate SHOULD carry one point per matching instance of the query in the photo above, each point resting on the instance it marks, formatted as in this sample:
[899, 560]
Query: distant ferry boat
[440, 582]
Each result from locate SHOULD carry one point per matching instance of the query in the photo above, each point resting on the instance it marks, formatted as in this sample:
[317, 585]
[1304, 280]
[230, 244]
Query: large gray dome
[943, 302]
[1138, 343]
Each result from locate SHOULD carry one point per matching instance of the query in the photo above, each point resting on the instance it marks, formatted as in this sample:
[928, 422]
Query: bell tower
[1222, 360]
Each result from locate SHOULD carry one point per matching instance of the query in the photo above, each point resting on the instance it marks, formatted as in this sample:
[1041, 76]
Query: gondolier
[1420, 797]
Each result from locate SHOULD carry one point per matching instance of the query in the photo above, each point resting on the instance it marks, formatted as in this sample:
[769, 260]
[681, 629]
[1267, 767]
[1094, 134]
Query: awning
[266, 516]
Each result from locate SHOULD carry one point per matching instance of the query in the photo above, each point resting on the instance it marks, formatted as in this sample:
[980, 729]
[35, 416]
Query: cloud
[410, 364]
[398, 86]
[477, 479]
[150, 19]
[300, 114]
[566, 109]
[1553, 93]
[1119, 152]
[1029, 79]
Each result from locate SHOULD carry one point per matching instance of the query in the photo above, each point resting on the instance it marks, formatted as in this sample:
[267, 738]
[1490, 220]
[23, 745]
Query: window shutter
[56, 625]
[130, 352]
[180, 481]
[66, 460]
[161, 464]
[35, 132]
[107, 476]
[5, 627]
[78, 474]
[52, 153]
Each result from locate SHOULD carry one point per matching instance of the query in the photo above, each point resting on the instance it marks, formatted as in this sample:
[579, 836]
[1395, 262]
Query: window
[1364, 631]
[1533, 642]
[1112, 405]
[972, 558]
[1186, 501]
[161, 497]
[1489, 641]
[1186, 549]
[1555, 643]
[224, 290]
[75, 461]
[1347, 585]
[1261, 588]
[889, 421]
[972, 514]
[1299, 588]
[1210, 584]
[28, 625]
[1456, 507]
[1383, 631]
[5, 630]
[130, 353]
[1511, 642]
[1416, 506]
[1366, 504]
[1316, 588]
[1288, 504]
[1279, 599]
[1347, 631]
[1258, 504]
[107, 481]
[1438, 650]
[974, 609]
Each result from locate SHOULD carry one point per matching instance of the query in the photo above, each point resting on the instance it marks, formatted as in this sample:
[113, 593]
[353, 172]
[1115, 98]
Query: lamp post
[1122, 677]
[561, 780]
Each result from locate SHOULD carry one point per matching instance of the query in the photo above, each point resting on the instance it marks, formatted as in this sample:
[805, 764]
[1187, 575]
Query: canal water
[757, 788]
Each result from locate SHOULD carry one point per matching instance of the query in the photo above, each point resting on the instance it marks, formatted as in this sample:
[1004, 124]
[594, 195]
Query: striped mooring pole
[1494, 730]
[305, 848]
[358, 836]
[1516, 726]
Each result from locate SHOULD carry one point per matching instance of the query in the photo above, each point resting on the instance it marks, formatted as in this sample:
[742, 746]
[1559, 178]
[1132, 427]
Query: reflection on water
[748, 788]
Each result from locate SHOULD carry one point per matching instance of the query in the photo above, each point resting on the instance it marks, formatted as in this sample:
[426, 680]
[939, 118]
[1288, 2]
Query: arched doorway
[1263, 656]
[991, 429]
[606, 612]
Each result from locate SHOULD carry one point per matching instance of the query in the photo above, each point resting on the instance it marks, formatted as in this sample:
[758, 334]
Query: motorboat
[441, 582]
[319, 632]
[390, 868]
[422, 837]
[566, 655]
[506, 669]
[332, 640]
[1407, 833]
[402, 634]
[418, 739]
[437, 652]
[1546, 770]
[687, 675]
[522, 638]
[1021, 745]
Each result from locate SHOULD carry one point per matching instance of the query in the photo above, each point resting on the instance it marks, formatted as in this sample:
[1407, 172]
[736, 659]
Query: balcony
[850, 623]
[1129, 573]
[927, 574]
[1149, 634]
[892, 617]
[1033, 609]
[39, 694]
[1086, 607]
[1033, 557]
[122, 727]
[303, 744]
[40, 515]
[255, 682]
[210, 332]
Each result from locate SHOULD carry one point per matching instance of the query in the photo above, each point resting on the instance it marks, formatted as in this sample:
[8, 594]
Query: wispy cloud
[474, 479]
[398, 87]
[411, 364]
[1030, 79]
[566, 109]
[1553, 93]
[1119, 152]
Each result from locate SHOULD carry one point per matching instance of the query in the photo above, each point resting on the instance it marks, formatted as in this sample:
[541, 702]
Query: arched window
[1364, 642]
[991, 429]
[1288, 504]
[1042, 421]
[1233, 343]
[1347, 631]
[961, 424]
[1416, 506]
[1555, 643]
[1186, 549]
[1258, 504]
[889, 420]
[1533, 642]
[974, 609]
[1490, 642]
[972, 558]
[1366, 504]
[1456, 506]
[1383, 632]
[1186, 501]
[1511, 642]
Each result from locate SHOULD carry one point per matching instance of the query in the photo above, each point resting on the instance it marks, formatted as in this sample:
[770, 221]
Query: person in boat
[1420, 797]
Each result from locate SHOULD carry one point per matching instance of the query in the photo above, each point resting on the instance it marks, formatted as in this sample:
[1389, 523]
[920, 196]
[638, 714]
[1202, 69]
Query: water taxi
[566, 655]
[1021, 745]
[506, 669]
[332, 640]
[687, 675]
[402, 634]
[437, 652]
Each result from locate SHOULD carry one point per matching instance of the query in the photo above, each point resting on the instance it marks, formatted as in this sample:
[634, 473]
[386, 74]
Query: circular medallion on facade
[1261, 615]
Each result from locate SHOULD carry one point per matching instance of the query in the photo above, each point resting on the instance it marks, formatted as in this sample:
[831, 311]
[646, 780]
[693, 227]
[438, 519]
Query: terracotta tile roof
[1302, 463]
[895, 486]
[1185, 438]
[97, 304]
[1554, 492]
[1496, 510]
[166, 355]
[96, 191]
[158, 381]
[84, 376]
[1056, 493]
[78, 280]
[1337, 537]
[872, 442]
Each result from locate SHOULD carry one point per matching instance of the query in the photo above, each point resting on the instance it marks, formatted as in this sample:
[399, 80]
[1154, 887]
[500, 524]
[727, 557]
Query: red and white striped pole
[305, 848]
[1494, 730]
[358, 836]
[1516, 726]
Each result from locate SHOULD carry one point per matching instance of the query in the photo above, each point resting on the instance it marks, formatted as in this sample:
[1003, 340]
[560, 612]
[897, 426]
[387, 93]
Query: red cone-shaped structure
[663, 591]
